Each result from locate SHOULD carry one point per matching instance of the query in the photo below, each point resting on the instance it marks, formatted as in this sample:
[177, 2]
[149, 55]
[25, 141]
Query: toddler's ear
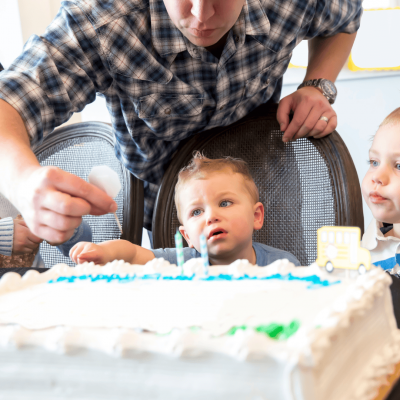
[258, 216]
[185, 235]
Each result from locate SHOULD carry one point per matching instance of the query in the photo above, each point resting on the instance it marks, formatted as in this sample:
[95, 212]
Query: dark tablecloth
[395, 289]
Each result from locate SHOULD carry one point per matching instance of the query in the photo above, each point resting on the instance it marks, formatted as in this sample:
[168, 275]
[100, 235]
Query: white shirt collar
[373, 234]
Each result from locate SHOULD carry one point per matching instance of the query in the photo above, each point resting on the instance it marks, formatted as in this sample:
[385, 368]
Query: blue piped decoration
[315, 281]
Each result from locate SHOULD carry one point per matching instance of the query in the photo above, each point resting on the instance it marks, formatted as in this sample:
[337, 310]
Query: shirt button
[268, 81]
[167, 111]
[194, 50]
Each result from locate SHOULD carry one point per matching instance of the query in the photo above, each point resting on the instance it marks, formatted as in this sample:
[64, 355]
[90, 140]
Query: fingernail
[113, 207]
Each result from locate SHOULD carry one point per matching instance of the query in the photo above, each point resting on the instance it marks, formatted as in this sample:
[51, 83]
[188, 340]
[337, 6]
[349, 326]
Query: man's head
[219, 199]
[381, 184]
[204, 22]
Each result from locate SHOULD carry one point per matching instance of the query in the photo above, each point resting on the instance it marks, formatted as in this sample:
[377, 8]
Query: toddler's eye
[225, 203]
[398, 166]
[196, 213]
[374, 163]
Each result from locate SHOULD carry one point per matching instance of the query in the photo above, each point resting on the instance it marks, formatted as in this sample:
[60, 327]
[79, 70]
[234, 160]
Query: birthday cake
[161, 332]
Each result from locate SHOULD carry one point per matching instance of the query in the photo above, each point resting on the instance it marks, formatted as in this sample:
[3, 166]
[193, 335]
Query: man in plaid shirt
[167, 69]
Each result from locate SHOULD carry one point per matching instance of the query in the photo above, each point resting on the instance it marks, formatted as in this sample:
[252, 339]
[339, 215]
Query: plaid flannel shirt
[159, 87]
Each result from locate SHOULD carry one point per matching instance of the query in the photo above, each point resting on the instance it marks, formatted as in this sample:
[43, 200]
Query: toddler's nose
[377, 180]
[212, 217]
[380, 177]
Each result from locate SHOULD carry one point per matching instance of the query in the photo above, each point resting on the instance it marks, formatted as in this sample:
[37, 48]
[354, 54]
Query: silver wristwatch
[327, 87]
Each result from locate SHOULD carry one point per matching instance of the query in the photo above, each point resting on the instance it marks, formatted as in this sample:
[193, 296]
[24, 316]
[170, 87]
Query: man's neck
[217, 48]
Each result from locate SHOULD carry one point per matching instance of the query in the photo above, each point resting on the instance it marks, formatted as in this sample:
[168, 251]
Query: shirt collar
[373, 234]
[168, 39]
[256, 20]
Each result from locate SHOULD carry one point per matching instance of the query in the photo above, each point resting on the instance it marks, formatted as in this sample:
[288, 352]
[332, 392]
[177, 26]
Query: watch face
[328, 87]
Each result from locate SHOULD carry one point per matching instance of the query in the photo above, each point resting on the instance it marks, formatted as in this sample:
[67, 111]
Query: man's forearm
[326, 56]
[16, 157]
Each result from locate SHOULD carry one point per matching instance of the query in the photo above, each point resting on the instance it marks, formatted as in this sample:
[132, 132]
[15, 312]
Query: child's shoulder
[267, 255]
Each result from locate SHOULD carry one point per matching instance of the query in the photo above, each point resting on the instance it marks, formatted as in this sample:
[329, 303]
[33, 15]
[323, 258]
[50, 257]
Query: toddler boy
[381, 191]
[215, 197]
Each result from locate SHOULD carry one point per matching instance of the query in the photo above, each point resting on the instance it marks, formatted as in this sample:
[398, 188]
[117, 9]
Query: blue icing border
[315, 281]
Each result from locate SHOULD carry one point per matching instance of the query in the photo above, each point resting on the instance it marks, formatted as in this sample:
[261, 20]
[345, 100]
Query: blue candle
[204, 253]
[179, 250]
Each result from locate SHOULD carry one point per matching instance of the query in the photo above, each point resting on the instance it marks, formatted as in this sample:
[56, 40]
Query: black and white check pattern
[159, 87]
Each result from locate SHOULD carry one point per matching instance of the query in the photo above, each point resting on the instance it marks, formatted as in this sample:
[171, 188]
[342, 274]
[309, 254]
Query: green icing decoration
[233, 330]
[273, 330]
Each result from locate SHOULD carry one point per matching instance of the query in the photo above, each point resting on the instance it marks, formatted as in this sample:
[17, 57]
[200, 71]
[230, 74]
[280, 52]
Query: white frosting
[158, 316]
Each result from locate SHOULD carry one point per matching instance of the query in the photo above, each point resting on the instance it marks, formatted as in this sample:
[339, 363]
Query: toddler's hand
[88, 252]
[24, 240]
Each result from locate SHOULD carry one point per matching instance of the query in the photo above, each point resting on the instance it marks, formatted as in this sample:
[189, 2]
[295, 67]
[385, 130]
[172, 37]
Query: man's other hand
[308, 105]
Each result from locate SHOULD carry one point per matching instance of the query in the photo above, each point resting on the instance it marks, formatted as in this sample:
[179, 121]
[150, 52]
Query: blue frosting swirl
[314, 280]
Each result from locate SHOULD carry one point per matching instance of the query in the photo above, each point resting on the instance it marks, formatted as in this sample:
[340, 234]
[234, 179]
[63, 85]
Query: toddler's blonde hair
[199, 166]
[392, 119]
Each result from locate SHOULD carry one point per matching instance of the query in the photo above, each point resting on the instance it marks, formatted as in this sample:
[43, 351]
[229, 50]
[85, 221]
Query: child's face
[381, 185]
[221, 207]
[204, 22]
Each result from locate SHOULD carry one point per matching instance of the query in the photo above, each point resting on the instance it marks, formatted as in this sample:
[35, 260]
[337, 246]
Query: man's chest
[197, 91]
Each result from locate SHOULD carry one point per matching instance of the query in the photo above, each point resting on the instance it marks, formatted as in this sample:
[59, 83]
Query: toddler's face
[221, 207]
[381, 185]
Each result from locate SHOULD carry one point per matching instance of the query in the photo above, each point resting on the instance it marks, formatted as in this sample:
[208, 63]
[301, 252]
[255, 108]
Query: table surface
[395, 289]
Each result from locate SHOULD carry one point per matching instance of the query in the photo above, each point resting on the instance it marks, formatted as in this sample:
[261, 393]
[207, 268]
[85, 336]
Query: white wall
[19, 19]
[10, 32]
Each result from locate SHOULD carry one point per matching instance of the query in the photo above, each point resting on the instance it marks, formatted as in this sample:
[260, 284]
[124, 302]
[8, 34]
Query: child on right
[381, 191]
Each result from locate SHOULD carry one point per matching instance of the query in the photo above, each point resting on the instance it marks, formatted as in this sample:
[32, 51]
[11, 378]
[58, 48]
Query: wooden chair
[76, 149]
[303, 184]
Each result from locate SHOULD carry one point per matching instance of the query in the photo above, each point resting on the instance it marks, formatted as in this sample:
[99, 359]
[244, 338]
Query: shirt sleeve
[82, 234]
[170, 254]
[6, 236]
[57, 74]
[335, 16]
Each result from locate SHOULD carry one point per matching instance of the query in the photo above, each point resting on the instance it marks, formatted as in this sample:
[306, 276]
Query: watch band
[327, 88]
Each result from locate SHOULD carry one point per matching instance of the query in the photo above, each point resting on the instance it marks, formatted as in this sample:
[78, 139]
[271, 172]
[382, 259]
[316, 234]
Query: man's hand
[53, 202]
[89, 252]
[308, 105]
[24, 241]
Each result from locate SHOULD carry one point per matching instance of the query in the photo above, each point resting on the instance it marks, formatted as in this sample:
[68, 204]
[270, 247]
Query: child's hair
[200, 165]
[392, 119]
